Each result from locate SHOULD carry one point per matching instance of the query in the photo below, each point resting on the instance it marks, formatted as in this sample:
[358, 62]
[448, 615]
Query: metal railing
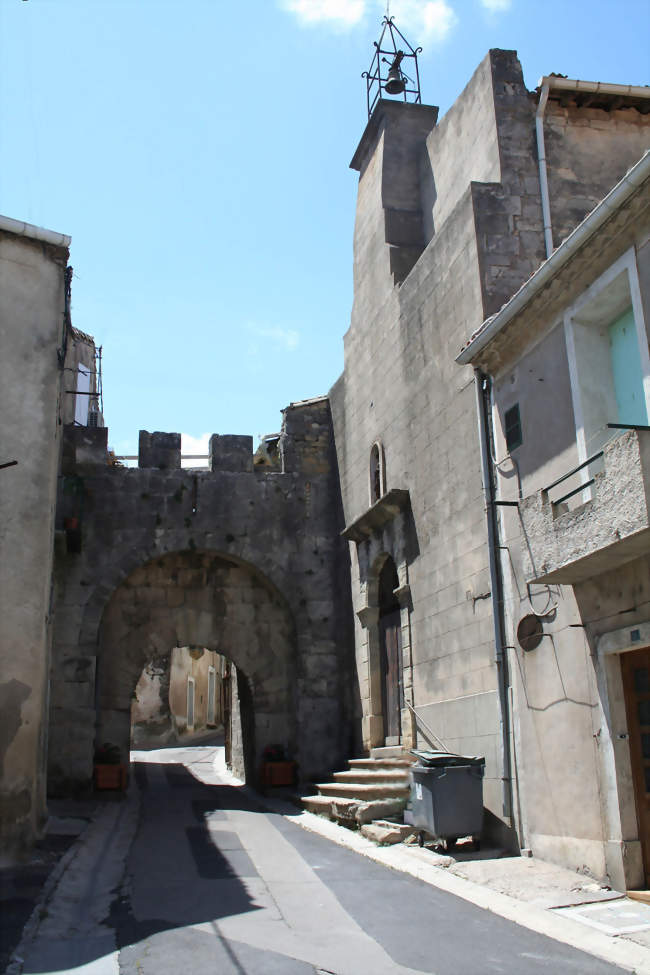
[426, 731]
[565, 477]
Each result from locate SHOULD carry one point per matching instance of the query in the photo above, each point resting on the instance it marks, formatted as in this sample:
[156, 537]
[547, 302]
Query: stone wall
[172, 557]
[588, 151]
[483, 237]
[32, 330]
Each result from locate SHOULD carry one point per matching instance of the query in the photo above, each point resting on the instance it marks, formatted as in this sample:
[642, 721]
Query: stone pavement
[534, 894]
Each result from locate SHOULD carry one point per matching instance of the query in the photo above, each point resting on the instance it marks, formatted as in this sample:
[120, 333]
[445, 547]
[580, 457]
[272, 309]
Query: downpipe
[483, 395]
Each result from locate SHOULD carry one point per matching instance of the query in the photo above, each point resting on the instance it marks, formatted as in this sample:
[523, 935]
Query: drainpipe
[541, 162]
[482, 385]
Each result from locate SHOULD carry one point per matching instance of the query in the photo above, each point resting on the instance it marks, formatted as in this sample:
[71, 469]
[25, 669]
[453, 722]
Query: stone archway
[198, 599]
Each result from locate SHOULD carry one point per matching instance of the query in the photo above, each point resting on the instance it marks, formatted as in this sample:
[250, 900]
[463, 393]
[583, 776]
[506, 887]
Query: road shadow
[185, 868]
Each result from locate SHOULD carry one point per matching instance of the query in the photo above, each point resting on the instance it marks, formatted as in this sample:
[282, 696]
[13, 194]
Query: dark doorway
[636, 683]
[390, 652]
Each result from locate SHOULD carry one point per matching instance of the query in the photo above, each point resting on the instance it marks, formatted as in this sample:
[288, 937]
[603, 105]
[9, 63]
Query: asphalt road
[200, 878]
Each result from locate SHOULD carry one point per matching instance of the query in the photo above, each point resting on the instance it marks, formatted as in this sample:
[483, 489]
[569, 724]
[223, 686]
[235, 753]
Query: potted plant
[276, 769]
[110, 771]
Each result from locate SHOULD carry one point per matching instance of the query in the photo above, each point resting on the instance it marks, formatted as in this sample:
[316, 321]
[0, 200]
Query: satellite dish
[530, 632]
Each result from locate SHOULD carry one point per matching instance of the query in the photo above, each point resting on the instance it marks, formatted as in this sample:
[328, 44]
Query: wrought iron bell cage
[393, 51]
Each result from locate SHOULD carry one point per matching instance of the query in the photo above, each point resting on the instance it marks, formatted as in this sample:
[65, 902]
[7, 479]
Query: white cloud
[194, 445]
[286, 338]
[426, 20]
[494, 6]
[432, 20]
[342, 13]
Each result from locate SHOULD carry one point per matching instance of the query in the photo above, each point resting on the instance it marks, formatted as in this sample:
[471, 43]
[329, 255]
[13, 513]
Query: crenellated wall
[237, 559]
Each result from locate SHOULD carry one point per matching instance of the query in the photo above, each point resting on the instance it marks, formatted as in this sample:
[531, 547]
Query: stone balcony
[611, 528]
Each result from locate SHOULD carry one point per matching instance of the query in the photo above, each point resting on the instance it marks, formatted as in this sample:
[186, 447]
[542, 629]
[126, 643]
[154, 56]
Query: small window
[512, 421]
[377, 473]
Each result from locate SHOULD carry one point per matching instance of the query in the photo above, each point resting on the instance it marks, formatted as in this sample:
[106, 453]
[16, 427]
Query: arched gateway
[201, 600]
[244, 560]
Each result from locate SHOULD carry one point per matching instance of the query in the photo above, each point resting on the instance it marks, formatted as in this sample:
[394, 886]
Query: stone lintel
[375, 519]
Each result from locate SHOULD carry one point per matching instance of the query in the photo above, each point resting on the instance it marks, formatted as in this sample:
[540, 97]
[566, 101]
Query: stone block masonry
[248, 562]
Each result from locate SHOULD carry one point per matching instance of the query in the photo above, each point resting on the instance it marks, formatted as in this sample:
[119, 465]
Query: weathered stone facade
[244, 561]
[468, 189]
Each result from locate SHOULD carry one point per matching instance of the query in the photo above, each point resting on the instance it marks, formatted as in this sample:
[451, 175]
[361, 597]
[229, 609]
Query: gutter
[35, 233]
[594, 87]
[614, 200]
[541, 164]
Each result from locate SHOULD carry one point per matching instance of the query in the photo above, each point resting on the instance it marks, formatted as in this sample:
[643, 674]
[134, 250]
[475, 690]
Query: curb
[627, 955]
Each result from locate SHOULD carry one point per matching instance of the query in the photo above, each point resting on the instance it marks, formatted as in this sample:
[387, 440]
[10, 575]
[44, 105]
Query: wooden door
[636, 683]
[390, 629]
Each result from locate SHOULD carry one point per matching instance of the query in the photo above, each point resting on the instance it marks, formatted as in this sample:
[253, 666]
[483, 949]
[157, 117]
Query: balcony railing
[608, 527]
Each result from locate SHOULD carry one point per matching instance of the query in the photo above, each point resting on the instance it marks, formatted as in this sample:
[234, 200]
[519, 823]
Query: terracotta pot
[110, 777]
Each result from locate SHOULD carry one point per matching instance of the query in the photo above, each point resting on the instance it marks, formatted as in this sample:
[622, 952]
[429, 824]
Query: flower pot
[278, 773]
[110, 777]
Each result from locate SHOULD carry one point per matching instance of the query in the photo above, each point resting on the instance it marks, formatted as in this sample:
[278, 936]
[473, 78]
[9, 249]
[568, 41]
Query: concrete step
[373, 776]
[382, 790]
[390, 751]
[324, 805]
[355, 812]
[379, 763]
[370, 776]
[386, 833]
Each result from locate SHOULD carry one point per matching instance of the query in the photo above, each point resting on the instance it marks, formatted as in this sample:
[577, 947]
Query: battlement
[304, 446]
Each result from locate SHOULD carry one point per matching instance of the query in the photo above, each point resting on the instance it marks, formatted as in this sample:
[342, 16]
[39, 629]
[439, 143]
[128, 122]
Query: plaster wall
[568, 694]
[31, 329]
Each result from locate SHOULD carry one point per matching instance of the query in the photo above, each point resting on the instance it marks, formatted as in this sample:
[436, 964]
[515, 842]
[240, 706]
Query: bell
[395, 83]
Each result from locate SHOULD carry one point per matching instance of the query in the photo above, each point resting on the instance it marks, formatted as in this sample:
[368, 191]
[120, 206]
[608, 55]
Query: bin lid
[436, 759]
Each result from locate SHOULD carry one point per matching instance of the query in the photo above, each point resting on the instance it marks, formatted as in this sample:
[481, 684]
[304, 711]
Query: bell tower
[390, 159]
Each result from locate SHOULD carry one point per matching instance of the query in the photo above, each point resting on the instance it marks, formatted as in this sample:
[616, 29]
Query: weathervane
[392, 49]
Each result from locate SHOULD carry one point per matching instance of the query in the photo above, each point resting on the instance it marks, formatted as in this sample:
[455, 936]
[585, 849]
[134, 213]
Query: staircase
[374, 788]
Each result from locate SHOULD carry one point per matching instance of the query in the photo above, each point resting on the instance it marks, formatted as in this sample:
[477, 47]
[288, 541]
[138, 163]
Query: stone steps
[379, 763]
[363, 791]
[371, 776]
[371, 788]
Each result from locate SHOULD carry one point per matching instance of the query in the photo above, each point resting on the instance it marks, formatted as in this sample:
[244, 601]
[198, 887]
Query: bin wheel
[420, 839]
[477, 843]
[450, 843]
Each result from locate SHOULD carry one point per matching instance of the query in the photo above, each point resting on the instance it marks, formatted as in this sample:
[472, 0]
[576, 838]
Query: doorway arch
[204, 600]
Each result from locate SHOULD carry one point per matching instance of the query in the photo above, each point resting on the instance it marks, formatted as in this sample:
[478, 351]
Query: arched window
[377, 473]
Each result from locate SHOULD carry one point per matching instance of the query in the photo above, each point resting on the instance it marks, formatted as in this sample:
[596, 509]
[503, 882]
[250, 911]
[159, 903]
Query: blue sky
[197, 152]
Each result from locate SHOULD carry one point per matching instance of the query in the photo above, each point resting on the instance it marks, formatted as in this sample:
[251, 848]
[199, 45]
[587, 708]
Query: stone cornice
[382, 512]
